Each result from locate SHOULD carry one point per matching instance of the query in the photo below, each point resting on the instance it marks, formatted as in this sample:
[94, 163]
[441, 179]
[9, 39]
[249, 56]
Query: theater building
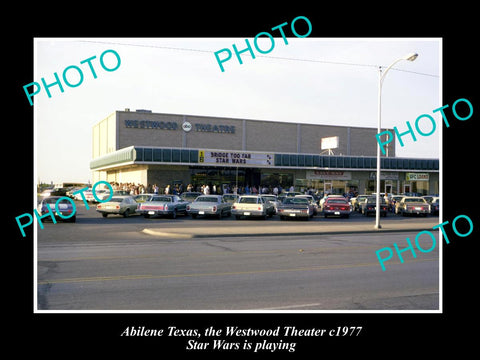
[142, 147]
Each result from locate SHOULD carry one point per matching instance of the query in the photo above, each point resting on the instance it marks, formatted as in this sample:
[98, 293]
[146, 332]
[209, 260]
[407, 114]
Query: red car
[336, 206]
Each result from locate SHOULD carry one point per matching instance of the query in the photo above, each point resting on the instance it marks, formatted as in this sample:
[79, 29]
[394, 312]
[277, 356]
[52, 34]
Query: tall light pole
[381, 77]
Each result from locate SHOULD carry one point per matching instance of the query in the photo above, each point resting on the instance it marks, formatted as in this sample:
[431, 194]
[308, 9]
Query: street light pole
[381, 77]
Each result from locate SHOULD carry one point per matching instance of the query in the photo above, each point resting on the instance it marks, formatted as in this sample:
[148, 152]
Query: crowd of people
[207, 189]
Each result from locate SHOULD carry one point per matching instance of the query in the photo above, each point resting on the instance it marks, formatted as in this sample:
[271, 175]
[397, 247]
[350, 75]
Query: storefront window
[339, 187]
[270, 180]
[419, 187]
[217, 177]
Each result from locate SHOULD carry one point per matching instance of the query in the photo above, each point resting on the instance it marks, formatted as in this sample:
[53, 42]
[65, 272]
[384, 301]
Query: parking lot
[162, 264]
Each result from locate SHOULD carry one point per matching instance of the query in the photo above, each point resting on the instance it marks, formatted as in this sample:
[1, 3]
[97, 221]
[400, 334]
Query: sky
[328, 81]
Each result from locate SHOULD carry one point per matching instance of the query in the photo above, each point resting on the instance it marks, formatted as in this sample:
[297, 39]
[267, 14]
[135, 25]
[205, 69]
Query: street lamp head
[411, 57]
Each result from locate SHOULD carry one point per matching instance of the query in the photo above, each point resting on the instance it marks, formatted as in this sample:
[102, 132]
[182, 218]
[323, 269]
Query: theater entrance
[224, 178]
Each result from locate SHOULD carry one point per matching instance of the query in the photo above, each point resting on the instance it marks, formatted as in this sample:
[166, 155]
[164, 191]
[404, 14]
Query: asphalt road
[111, 264]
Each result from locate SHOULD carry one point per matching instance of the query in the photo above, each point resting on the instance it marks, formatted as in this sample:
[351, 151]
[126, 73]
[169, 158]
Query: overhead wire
[260, 56]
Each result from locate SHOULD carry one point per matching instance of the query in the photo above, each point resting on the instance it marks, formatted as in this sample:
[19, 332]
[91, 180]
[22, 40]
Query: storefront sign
[234, 158]
[328, 175]
[417, 176]
[384, 176]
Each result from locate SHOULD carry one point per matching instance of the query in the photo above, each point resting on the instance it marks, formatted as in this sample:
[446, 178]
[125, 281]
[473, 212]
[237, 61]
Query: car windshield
[248, 200]
[162, 198]
[300, 201]
[414, 200]
[374, 200]
[54, 200]
[207, 199]
[336, 201]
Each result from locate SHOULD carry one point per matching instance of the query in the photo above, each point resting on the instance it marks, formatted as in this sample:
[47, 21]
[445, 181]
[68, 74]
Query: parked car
[156, 205]
[230, 198]
[102, 195]
[336, 207]
[209, 205]
[46, 193]
[141, 198]
[412, 205]
[252, 205]
[356, 201]
[190, 196]
[435, 205]
[118, 205]
[65, 208]
[322, 200]
[121, 192]
[369, 206]
[434, 202]
[295, 207]
[273, 199]
[87, 194]
[70, 192]
[311, 200]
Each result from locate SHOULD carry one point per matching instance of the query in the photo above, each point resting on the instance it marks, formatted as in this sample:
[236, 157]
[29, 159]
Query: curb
[167, 234]
[189, 235]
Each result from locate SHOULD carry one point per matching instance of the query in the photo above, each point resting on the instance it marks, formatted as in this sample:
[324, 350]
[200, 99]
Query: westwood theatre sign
[186, 126]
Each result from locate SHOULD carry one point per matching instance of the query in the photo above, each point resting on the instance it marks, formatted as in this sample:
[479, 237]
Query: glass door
[327, 188]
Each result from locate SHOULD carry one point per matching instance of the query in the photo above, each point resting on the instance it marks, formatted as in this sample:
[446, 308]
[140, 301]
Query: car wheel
[126, 213]
[237, 217]
[174, 214]
[194, 216]
[146, 216]
[73, 219]
[104, 214]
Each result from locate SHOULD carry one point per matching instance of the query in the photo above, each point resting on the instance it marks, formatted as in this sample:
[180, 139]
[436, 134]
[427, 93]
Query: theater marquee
[238, 158]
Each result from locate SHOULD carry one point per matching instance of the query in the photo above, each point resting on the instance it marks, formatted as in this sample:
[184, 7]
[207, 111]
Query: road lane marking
[250, 272]
[304, 250]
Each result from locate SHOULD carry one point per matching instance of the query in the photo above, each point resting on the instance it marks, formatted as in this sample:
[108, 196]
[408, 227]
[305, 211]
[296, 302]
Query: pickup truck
[252, 205]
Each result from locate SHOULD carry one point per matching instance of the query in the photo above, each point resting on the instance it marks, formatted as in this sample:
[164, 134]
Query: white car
[273, 199]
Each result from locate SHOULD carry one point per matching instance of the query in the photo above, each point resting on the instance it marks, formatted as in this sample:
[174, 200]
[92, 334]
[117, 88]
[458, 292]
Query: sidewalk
[287, 228]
